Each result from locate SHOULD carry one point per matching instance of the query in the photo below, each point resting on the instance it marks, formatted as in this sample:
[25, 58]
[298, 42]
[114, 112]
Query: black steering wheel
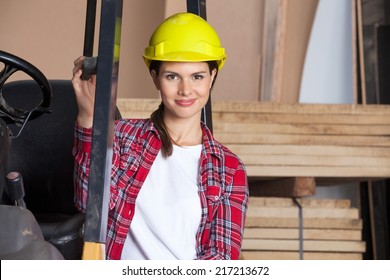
[13, 64]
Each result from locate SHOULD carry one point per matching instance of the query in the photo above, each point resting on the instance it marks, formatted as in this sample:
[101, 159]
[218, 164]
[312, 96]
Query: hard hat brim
[185, 57]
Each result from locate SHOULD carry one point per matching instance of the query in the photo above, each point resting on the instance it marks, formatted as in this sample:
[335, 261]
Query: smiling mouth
[185, 102]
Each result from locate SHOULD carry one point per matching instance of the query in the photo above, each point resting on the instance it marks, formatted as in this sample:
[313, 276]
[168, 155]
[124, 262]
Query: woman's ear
[213, 75]
[155, 80]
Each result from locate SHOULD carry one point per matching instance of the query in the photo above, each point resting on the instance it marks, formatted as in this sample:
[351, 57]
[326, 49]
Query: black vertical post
[198, 7]
[103, 123]
[300, 226]
[89, 35]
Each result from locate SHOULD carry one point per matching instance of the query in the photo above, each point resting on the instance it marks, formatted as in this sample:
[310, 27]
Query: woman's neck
[185, 132]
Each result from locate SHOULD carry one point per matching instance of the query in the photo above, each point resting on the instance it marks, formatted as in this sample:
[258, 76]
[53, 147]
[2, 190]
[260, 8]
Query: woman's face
[184, 88]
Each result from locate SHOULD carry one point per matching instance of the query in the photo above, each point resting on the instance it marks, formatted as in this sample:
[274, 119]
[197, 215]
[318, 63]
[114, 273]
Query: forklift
[37, 117]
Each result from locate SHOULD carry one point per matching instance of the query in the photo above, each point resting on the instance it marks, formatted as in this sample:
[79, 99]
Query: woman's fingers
[79, 61]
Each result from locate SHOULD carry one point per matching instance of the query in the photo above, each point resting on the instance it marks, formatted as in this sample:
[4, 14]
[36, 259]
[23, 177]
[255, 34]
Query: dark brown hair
[157, 116]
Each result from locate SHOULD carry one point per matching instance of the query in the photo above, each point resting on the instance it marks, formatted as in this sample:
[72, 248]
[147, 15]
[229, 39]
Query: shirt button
[216, 197]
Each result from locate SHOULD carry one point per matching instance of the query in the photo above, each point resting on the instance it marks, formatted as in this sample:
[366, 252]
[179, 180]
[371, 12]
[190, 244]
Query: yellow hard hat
[185, 37]
[117, 38]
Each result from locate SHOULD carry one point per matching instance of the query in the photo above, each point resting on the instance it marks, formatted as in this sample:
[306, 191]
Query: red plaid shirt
[223, 187]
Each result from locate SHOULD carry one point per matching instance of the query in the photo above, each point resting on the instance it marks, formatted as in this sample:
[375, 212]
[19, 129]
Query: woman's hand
[85, 94]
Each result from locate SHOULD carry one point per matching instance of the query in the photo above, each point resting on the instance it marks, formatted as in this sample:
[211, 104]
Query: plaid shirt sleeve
[226, 218]
[224, 198]
[81, 152]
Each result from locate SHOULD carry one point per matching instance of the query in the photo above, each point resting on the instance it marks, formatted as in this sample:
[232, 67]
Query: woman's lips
[185, 102]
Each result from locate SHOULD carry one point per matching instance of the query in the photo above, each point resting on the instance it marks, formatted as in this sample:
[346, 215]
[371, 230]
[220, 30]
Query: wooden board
[283, 255]
[314, 223]
[308, 234]
[305, 202]
[291, 212]
[309, 245]
[129, 105]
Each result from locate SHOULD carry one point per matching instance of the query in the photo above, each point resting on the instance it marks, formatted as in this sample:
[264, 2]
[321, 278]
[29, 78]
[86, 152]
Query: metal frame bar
[89, 35]
[198, 7]
[103, 125]
[300, 227]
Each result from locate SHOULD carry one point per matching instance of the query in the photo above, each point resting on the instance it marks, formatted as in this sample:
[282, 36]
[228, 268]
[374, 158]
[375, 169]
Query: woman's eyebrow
[170, 72]
[175, 73]
[200, 72]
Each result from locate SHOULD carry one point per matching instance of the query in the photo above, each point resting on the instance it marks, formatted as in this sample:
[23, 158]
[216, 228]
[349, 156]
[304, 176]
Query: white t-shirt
[167, 211]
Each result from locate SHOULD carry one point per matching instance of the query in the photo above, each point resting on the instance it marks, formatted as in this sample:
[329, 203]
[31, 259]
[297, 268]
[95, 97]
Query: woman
[176, 193]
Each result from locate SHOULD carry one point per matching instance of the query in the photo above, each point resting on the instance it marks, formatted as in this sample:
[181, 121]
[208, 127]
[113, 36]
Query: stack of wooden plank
[332, 141]
[331, 230]
[311, 140]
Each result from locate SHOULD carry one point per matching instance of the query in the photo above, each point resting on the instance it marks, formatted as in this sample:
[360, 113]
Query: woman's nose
[185, 88]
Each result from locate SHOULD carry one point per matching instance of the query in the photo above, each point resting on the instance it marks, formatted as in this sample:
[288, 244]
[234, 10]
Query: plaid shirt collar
[210, 145]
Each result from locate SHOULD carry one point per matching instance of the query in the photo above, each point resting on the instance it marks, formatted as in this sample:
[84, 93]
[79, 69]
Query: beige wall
[300, 16]
[46, 33]
[49, 34]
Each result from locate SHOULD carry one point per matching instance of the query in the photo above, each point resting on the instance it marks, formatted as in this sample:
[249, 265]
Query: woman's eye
[171, 77]
[198, 77]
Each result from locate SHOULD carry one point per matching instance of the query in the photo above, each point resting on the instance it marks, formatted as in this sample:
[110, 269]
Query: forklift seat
[42, 154]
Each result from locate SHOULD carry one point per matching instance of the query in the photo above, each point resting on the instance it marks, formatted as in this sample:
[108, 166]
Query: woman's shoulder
[219, 149]
[131, 124]
[125, 128]
[230, 158]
